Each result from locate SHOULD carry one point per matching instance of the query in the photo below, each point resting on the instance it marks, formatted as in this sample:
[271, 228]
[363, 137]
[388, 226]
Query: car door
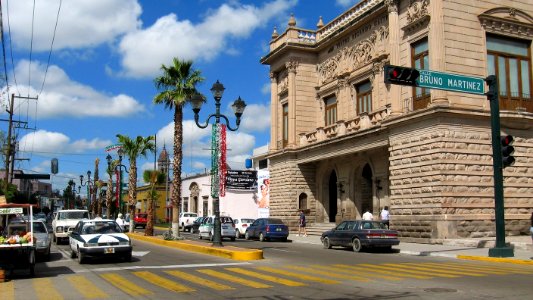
[253, 229]
[336, 236]
[75, 237]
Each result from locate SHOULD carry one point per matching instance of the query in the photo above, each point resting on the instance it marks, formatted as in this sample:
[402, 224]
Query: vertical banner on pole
[117, 189]
[214, 161]
[222, 161]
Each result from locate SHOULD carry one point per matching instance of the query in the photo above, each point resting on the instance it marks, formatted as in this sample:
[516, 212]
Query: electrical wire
[31, 47]
[3, 49]
[11, 48]
[51, 47]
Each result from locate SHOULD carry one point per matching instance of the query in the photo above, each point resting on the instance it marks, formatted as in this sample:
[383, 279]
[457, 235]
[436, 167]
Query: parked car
[40, 217]
[196, 224]
[99, 238]
[140, 220]
[267, 228]
[206, 229]
[65, 220]
[241, 224]
[358, 234]
[43, 242]
[186, 220]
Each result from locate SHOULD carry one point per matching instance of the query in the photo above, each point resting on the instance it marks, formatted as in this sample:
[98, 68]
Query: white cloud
[61, 94]
[203, 41]
[52, 143]
[265, 90]
[256, 117]
[346, 3]
[82, 23]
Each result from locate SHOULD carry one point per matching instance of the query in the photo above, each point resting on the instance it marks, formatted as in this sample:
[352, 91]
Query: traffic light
[401, 75]
[507, 150]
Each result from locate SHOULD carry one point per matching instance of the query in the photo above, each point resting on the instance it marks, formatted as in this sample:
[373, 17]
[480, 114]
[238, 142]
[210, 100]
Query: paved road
[289, 271]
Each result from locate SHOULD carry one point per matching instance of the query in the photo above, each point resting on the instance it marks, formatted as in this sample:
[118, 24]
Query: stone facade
[428, 158]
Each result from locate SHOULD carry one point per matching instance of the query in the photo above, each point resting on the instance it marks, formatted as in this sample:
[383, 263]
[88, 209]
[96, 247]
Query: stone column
[291, 68]
[274, 104]
[394, 51]
[436, 48]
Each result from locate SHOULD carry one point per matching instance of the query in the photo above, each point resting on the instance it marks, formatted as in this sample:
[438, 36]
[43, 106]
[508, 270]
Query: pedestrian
[301, 224]
[531, 229]
[120, 221]
[367, 216]
[385, 215]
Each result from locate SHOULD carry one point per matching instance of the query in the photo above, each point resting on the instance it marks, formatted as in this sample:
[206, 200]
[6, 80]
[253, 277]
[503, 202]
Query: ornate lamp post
[118, 171]
[89, 183]
[238, 108]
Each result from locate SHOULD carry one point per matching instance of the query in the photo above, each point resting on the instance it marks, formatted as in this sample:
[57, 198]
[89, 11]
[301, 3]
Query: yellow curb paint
[266, 277]
[226, 252]
[500, 268]
[86, 288]
[45, 290]
[163, 282]
[232, 278]
[201, 281]
[301, 276]
[497, 259]
[125, 285]
[8, 290]
[349, 270]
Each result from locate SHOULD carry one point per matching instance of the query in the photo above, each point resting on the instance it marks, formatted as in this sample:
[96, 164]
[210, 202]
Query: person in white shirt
[120, 221]
[367, 216]
[385, 215]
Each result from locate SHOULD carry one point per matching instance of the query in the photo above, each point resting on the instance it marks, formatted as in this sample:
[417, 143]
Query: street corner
[497, 259]
[229, 252]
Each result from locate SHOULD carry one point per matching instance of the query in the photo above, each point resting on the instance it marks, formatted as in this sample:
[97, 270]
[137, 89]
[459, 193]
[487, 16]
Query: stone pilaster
[436, 48]
[291, 68]
[274, 105]
[394, 52]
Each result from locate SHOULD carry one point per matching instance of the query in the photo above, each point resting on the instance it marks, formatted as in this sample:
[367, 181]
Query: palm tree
[99, 184]
[177, 85]
[94, 189]
[133, 149]
[152, 177]
[109, 191]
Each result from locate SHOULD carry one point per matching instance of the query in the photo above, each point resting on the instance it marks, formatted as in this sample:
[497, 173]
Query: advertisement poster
[244, 180]
[263, 192]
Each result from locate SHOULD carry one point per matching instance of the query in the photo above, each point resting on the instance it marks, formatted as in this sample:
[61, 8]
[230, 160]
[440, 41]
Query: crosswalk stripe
[8, 290]
[201, 281]
[376, 268]
[163, 282]
[438, 269]
[125, 285]
[327, 273]
[516, 269]
[346, 269]
[266, 277]
[298, 275]
[405, 268]
[45, 290]
[85, 287]
[224, 276]
[470, 268]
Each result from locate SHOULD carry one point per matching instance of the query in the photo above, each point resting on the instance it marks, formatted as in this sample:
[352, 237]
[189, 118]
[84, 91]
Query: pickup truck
[65, 221]
[186, 220]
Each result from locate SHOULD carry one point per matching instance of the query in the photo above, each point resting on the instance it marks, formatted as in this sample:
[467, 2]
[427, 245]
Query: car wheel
[127, 257]
[283, 239]
[326, 243]
[261, 237]
[72, 253]
[81, 257]
[246, 236]
[55, 239]
[199, 236]
[210, 236]
[356, 245]
[237, 234]
[47, 255]
[232, 239]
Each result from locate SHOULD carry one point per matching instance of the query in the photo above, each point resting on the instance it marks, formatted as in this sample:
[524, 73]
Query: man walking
[385, 215]
[367, 216]
[301, 224]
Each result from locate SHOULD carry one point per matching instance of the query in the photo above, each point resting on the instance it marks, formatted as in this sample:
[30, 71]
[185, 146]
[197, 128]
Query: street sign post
[451, 82]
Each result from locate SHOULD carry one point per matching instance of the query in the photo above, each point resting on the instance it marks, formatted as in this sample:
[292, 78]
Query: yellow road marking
[8, 290]
[516, 269]
[440, 270]
[327, 273]
[200, 281]
[85, 287]
[266, 277]
[404, 268]
[125, 285]
[300, 276]
[163, 282]
[232, 278]
[348, 270]
[470, 268]
[375, 268]
[44, 289]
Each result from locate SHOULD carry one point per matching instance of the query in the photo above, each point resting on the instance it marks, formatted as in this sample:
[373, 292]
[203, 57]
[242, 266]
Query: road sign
[451, 82]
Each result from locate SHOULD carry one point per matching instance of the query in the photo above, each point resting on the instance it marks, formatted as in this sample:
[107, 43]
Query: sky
[83, 71]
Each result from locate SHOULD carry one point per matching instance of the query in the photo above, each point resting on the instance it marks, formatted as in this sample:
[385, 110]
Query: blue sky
[105, 55]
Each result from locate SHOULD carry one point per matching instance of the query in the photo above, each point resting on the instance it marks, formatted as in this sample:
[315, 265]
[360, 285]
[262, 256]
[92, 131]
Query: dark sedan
[267, 228]
[194, 227]
[358, 234]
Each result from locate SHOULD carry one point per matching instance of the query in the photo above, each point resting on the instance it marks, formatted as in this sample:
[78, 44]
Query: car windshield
[101, 227]
[38, 227]
[73, 215]
[247, 220]
[374, 225]
[226, 220]
[274, 221]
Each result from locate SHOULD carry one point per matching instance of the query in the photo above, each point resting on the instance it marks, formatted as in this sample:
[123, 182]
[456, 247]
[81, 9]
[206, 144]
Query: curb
[496, 259]
[225, 252]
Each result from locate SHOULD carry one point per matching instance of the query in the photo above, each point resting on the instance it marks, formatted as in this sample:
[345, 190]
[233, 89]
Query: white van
[206, 229]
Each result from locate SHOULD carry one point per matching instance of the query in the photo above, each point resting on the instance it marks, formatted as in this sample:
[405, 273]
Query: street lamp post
[118, 170]
[238, 108]
[89, 183]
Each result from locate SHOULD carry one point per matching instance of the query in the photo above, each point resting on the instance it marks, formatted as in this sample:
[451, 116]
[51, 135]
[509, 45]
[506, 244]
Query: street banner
[241, 180]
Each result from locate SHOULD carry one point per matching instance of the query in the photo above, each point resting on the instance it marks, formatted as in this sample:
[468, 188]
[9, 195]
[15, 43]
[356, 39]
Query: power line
[11, 48]
[51, 47]
[31, 47]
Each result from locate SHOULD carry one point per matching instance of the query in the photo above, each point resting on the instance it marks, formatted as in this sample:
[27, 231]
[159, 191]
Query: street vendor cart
[17, 242]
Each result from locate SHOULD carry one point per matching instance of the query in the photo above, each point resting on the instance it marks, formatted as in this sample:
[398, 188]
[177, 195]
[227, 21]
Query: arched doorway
[332, 187]
[195, 192]
[366, 188]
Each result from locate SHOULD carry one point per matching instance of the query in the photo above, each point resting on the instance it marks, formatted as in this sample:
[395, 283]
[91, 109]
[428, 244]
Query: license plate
[109, 250]
[278, 229]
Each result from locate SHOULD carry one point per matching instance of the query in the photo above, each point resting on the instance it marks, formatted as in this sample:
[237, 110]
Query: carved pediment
[508, 21]
[417, 15]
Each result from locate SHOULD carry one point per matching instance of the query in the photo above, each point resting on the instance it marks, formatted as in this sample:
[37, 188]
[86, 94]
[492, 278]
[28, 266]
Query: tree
[152, 177]
[133, 149]
[109, 191]
[177, 86]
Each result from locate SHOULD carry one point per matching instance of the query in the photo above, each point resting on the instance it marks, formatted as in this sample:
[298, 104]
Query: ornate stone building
[342, 140]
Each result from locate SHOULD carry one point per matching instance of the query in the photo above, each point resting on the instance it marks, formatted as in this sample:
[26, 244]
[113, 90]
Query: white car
[65, 220]
[206, 229]
[99, 238]
[187, 219]
[241, 224]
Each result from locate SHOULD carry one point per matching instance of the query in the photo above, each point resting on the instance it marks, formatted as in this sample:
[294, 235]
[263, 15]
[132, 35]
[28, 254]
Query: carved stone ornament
[291, 66]
[392, 6]
[417, 15]
[507, 21]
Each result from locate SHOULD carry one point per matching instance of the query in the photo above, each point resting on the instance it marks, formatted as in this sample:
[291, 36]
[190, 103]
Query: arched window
[302, 201]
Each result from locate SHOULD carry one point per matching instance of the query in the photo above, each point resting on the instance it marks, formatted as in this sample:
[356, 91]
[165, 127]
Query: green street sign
[451, 82]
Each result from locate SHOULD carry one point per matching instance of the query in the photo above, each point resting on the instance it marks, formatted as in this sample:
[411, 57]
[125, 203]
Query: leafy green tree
[153, 178]
[133, 148]
[177, 85]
